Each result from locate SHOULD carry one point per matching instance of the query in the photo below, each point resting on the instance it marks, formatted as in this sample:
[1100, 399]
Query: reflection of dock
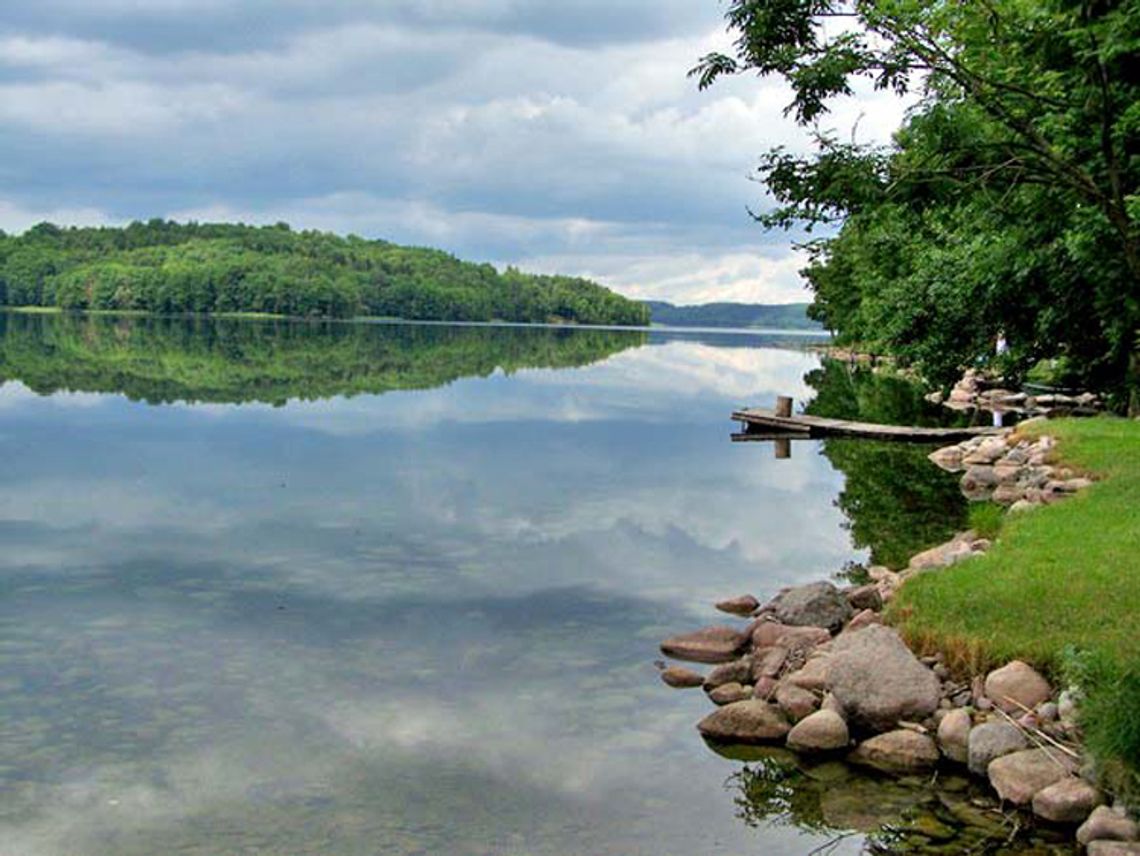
[760, 423]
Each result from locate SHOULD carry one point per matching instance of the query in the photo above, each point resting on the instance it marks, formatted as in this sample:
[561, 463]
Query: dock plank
[766, 421]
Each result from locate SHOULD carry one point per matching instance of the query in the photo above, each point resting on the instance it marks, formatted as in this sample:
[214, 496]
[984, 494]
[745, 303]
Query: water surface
[356, 589]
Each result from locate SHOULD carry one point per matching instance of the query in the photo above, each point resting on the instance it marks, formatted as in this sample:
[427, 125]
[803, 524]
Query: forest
[1007, 204]
[171, 268]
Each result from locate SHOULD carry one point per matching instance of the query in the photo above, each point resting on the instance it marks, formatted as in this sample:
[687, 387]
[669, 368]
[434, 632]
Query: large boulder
[1019, 777]
[1070, 800]
[816, 605]
[752, 722]
[865, 597]
[709, 645]
[991, 740]
[954, 735]
[822, 731]
[878, 681]
[901, 751]
[1017, 687]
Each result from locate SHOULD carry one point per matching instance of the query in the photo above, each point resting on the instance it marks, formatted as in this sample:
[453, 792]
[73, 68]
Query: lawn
[1060, 589]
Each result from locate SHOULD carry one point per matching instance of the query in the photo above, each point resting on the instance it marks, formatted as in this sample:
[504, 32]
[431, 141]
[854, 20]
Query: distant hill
[786, 316]
[201, 268]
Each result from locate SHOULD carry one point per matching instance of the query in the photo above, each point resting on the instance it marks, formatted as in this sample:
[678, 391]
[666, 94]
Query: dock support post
[783, 449]
[784, 406]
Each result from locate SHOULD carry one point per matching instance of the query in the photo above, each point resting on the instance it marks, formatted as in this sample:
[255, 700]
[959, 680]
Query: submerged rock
[900, 751]
[752, 721]
[710, 645]
[816, 605]
[878, 681]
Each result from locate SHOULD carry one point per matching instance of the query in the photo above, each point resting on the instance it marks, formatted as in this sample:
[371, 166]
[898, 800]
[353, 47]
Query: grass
[1060, 589]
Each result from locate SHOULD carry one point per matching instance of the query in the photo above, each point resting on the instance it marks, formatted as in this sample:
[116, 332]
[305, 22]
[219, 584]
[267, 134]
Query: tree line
[1008, 204]
[201, 268]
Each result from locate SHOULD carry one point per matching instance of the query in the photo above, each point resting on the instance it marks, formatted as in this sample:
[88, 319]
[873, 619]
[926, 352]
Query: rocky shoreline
[818, 672]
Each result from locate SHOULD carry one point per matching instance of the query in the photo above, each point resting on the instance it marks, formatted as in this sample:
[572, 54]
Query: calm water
[284, 589]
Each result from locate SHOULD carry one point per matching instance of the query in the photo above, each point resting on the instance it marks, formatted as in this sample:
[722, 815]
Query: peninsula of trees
[171, 268]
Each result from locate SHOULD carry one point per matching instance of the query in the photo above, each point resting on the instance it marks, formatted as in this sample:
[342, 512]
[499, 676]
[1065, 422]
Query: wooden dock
[766, 423]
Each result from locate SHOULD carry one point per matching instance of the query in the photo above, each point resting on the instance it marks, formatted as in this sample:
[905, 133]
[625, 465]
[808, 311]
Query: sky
[556, 136]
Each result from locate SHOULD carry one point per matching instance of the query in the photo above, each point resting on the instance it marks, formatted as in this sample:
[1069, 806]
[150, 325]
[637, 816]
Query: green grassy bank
[1060, 589]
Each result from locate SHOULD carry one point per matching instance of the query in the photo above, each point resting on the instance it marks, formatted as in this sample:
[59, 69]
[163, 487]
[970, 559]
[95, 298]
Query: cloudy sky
[558, 135]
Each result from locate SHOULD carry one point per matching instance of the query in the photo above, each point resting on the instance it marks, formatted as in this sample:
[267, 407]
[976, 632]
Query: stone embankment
[975, 391]
[819, 672]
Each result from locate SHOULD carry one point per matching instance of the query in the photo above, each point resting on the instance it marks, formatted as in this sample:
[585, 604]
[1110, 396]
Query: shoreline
[815, 657]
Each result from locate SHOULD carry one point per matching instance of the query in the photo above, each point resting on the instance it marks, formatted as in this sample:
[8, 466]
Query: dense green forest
[217, 360]
[1009, 201]
[791, 316]
[171, 268]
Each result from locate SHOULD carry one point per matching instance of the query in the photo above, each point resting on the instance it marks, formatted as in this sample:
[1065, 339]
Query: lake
[287, 588]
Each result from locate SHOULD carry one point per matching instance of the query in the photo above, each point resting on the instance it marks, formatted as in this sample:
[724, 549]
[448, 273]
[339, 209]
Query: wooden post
[783, 406]
[783, 449]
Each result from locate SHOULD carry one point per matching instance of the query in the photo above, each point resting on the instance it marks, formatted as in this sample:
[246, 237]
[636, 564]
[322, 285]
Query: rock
[813, 675]
[815, 605]
[738, 671]
[710, 645]
[745, 604]
[948, 458]
[729, 693]
[957, 548]
[986, 452]
[767, 662]
[796, 702]
[991, 740]
[878, 681]
[1020, 776]
[1107, 847]
[865, 597]
[863, 619]
[830, 702]
[765, 688]
[768, 634]
[1016, 686]
[900, 751]
[1020, 506]
[979, 478]
[1105, 824]
[1070, 800]
[822, 731]
[954, 735]
[750, 722]
[1008, 494]
[680, 677]
[1048, 712]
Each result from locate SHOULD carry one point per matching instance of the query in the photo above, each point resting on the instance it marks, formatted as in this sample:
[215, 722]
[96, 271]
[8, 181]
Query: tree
[1024, 106]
